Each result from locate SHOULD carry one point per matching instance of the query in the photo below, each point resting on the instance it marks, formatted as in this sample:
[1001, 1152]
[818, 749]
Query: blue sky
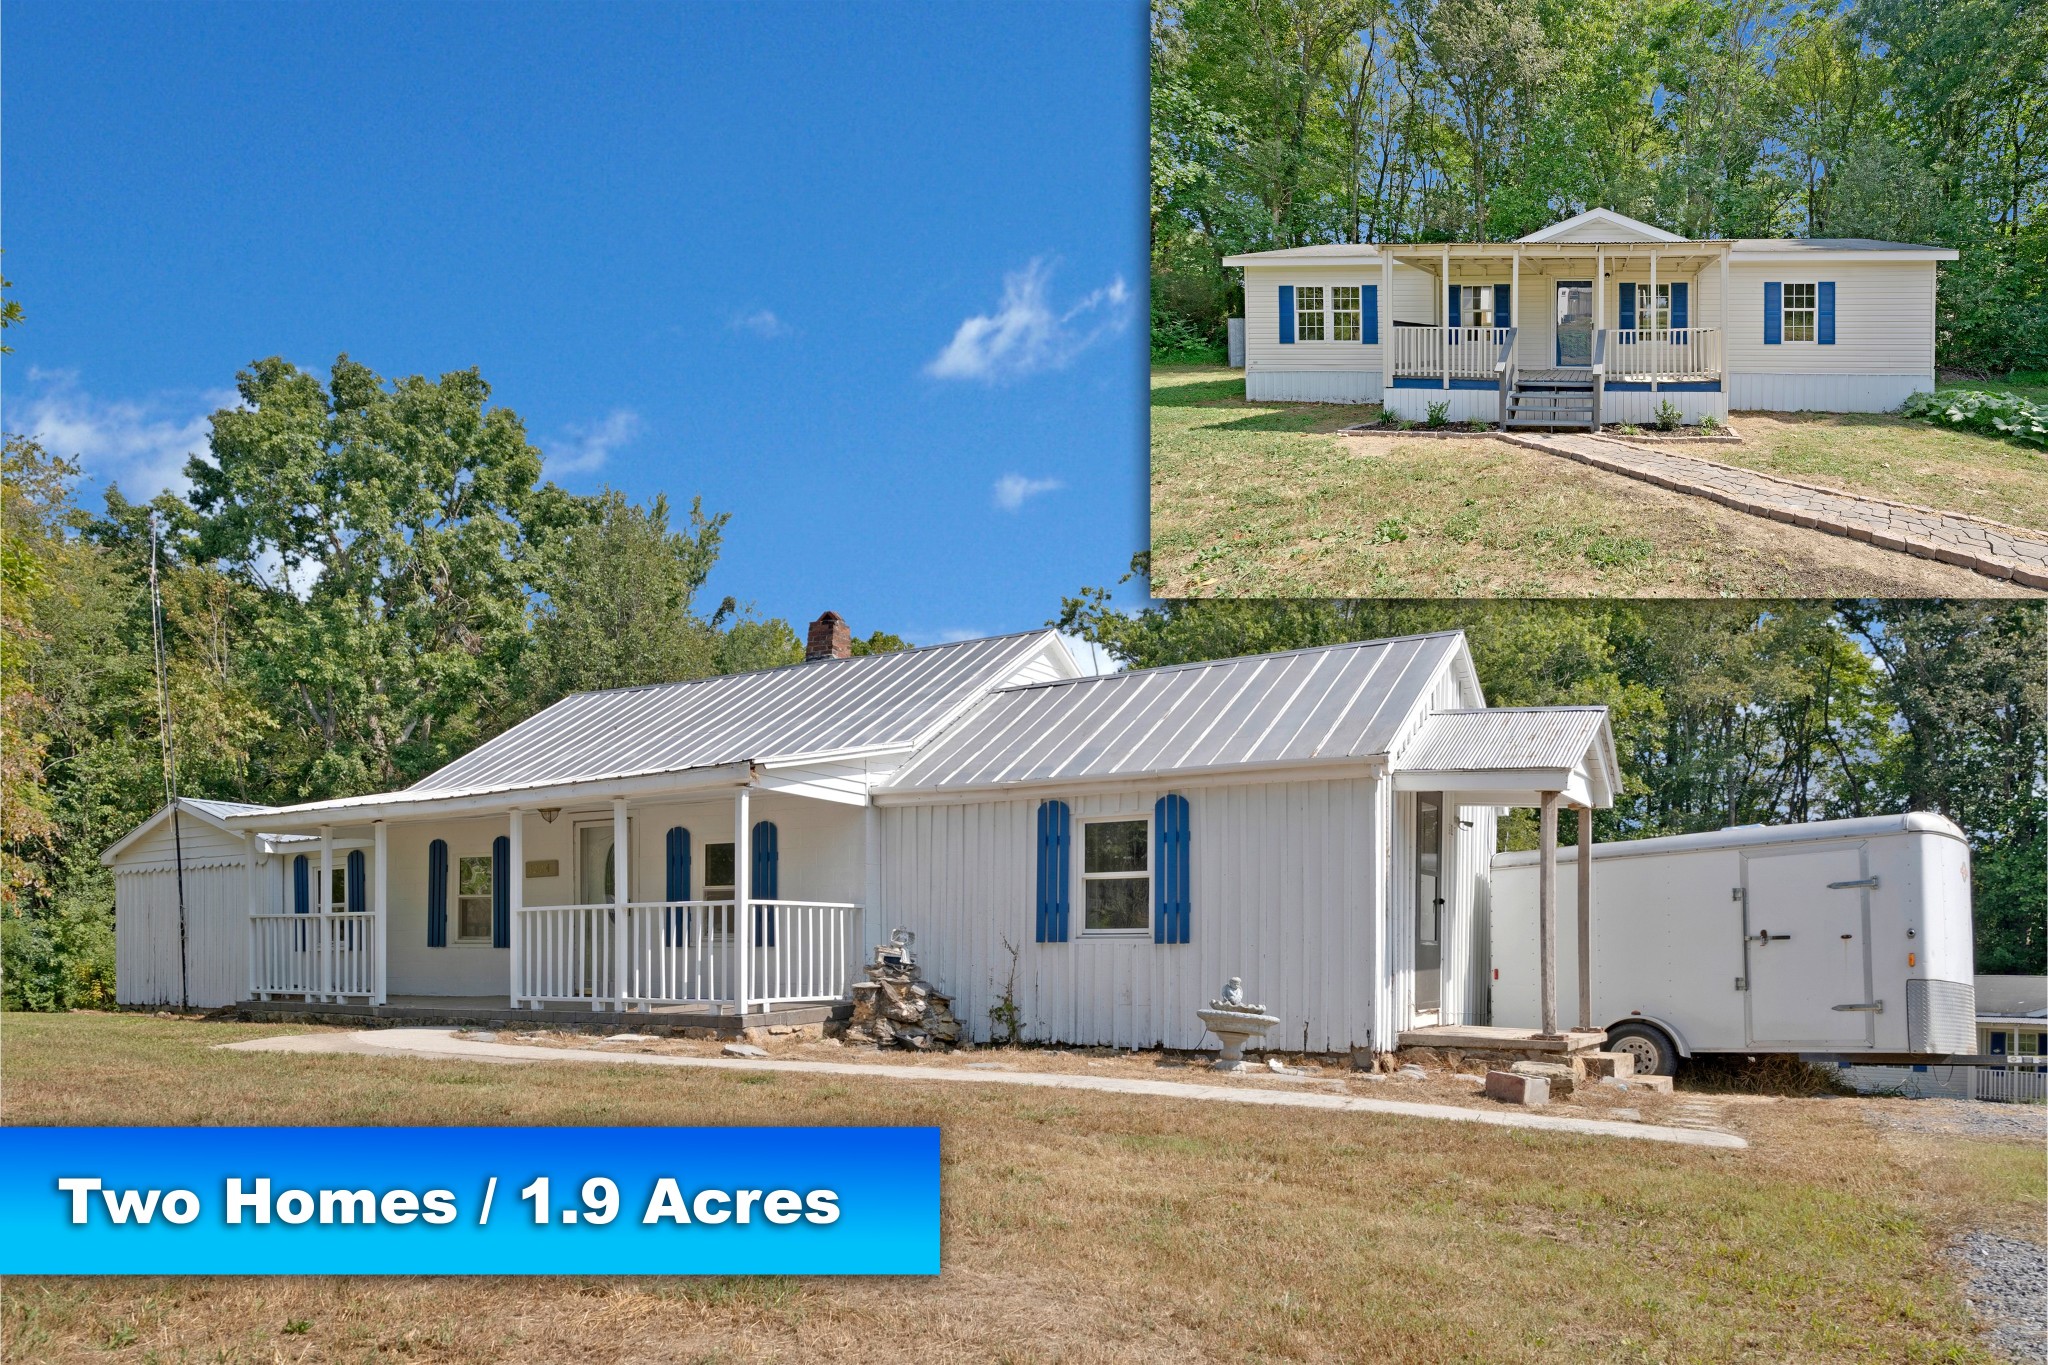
[870, 278]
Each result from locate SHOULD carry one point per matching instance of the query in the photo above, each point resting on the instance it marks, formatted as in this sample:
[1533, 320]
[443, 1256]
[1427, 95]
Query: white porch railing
[684, 953]
[1643, 353]
[1459, 352]
[319, 957]
[2012, 1084]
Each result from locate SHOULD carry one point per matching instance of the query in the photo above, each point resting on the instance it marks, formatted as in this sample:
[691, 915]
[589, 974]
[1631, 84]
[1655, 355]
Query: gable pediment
[1602, 225]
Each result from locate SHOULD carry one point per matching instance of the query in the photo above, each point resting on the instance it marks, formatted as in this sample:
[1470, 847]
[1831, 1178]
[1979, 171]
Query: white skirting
[1466, 404]
[1312, 386]
[1824, 392]
[1631, 405]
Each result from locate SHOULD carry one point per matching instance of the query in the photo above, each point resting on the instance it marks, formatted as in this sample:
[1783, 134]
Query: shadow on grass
[1198, 393]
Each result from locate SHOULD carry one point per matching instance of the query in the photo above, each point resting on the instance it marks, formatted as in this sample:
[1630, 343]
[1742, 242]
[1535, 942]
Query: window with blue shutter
[677, 883]
[1827, 312]
[302, 885]
[355, 882]
[1503, 306]
[1454, 318]
[437, 894]
[1774, 313]
[1055, 826]
[1369, 327]
[1628, 308]
[1170, 899]
[767, 860]
[1997, 1043]
[1286, 315]
[501, 892]
[1681, 317]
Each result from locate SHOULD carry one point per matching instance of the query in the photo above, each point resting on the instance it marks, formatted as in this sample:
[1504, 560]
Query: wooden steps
[1551, 404]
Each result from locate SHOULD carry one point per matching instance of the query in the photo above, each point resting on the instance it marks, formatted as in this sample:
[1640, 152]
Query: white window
[1344, 312]
[1308, 312]
[337, 886]
[2030, 1044]
[1475, 305]
[1653, 314]
[1116, 876]
[1802, 306]
[718, 874]
[473, 900]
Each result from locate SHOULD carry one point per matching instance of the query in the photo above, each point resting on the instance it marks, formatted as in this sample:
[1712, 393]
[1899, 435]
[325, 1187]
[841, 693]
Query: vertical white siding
[1284, 890]
[146, 935]
[1467, 956]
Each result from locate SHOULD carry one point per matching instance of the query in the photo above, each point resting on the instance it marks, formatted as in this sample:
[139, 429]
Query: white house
[1599, 318]
[1104, 851]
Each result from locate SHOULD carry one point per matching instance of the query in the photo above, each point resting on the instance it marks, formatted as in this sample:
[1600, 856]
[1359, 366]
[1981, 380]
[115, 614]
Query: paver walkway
[443, 1044]
[1988, 547]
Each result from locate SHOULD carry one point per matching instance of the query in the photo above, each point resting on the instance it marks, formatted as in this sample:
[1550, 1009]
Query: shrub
[1668, 416]
[1177, 341]
[1629, 429]
[1439, 414]
[1994, 414]
[59, 956]
[1709, 425]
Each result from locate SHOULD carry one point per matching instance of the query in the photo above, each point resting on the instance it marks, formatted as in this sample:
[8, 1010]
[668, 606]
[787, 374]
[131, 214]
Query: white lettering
[401, 1206]
[824, 1206]
[667, 1203]
[78, 1187]
[783, 1207]
[257, 1201]
[181, 1206]
[701, 1206]
[295, 1206]
[440, 1207]
[348, 1203]
[123, 1204]
[748, 1198]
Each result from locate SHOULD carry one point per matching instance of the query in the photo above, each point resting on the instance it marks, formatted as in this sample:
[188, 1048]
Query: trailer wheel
[1651, 1047]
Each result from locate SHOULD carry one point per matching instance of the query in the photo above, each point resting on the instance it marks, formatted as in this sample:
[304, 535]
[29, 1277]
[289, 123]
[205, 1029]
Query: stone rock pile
[897, 1007]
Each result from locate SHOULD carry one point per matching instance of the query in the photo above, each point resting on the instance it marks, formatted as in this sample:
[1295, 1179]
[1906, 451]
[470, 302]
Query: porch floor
[495, 1011]
[1490, 1037]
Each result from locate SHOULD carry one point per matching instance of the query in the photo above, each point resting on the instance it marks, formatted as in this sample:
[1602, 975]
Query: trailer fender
[1670, 1030]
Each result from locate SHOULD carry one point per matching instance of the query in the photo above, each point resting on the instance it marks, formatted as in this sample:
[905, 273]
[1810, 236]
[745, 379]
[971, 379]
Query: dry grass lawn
[1081, 1227]
[1266, 500]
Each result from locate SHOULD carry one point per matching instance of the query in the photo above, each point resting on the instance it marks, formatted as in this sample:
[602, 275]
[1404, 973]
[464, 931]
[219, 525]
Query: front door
[594, 864]
[1807, 949]
[1429, 900]
[1574, 324]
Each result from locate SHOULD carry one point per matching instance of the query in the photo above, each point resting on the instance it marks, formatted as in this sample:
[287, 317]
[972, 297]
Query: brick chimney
[830, 639]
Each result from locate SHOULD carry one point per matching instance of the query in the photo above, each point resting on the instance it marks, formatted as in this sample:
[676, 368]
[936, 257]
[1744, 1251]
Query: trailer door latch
[1870, 882]
[1867, 1007]
[1740, 984]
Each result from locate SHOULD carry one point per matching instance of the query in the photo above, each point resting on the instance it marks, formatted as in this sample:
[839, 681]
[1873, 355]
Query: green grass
[1092, 1228]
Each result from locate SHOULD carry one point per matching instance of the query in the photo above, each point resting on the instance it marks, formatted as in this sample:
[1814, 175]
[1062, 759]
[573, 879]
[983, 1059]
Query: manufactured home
[1836, 936]
[1596, 319]
[1103, 852]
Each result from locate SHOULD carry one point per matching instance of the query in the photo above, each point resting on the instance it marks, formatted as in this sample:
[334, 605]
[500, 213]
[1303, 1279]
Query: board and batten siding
[1284, 882]
[216, 916]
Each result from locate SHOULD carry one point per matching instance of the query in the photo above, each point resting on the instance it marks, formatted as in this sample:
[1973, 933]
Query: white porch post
[380, 901]
[1586, 916]
[622, 877]
[1546, 911]
[1656, 360]
[515, 896]
[870, 912]
[1515, 296]
[1386, 313]
[249, 890]
[1599, 290]
[1724, 325]
[323, 897]
[1443, 310]
[742, 895]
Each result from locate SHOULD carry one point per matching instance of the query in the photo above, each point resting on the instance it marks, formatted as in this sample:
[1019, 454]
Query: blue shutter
[678, 884]
[501, 892]
[1997, 1043]
[1453, 316]
[1826, 326]
[1503, 305]
[1170, 869]
[1628, 308]
[302, 882]
[1681, 316]
[767, 860]
[1774, 313]
[437, 894]
[355, 881]
[1286, 315]
[1369, 315]
[1054, 829]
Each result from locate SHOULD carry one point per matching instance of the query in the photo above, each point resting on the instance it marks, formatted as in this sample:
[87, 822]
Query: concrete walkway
[443, 1045]
[1988, 547]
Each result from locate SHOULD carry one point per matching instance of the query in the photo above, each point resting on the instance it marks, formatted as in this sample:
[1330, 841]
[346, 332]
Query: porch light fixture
[548, 813]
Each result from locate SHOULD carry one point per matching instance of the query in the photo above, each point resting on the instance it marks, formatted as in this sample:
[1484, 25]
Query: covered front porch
[1549, 334]
[722, 900]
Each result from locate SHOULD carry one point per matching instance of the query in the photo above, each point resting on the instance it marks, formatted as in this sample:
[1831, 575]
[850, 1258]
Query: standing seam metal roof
[1331, 702]
[825, 707]
[1504, 738]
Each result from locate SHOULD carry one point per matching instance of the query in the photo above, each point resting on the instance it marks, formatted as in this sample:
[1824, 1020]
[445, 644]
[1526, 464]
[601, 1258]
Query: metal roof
[1750, 836]
[2012, 997]
[810, 710]
[223, 809]
[1330, 703]
[1505, 737]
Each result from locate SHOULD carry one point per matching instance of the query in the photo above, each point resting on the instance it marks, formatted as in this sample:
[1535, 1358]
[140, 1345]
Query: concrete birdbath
[1234, 1023]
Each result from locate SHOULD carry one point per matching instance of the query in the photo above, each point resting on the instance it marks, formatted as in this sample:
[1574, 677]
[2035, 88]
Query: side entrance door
[1429, 900]
[1808, 948]
[1574, 324]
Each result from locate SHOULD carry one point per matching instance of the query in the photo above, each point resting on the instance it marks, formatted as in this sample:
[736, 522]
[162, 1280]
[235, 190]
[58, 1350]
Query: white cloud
[763, 323]
[1012, 490]
[1025, 334]
[141, 444]
[581, 449]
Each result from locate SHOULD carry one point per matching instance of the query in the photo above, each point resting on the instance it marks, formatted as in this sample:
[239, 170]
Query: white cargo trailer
[1836, 937]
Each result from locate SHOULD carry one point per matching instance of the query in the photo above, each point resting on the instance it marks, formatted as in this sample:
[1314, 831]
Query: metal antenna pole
[170, 755]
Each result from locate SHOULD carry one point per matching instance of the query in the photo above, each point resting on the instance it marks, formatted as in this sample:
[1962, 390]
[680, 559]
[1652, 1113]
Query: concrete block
[744, 1050]
[1511, 1088]
[1561, 1076]
[1603, 1064]
[1660, 1084]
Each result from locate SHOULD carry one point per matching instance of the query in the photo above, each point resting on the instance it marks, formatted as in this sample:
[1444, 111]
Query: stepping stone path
[1693, 1112]
[1988, 547]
